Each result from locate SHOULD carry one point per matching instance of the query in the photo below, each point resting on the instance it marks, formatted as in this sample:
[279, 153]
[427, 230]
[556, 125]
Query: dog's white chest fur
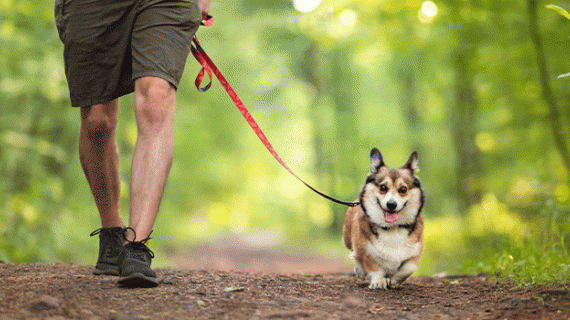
[391, 248]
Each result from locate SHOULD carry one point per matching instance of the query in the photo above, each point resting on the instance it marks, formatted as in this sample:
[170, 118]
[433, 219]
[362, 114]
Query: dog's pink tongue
[391, 217]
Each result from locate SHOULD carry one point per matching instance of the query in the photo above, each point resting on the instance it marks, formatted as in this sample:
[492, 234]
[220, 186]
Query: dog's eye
[383, 188]
[403, 190]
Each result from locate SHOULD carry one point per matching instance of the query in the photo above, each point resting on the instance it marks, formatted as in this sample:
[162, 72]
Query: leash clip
[209, 21]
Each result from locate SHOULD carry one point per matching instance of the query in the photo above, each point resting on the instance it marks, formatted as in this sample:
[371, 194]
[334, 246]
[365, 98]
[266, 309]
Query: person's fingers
[205, 8]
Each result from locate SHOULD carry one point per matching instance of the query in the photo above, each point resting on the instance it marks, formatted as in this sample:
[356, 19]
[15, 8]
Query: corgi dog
[385, 231]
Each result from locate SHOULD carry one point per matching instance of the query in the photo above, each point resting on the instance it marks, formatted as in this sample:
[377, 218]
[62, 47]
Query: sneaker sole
[107, 272]
[137, 280]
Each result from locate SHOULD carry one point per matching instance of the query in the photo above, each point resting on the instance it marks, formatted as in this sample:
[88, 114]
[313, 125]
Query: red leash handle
[209, 66]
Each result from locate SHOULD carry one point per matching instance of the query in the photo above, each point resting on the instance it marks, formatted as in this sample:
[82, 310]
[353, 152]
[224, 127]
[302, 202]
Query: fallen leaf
[376, 309]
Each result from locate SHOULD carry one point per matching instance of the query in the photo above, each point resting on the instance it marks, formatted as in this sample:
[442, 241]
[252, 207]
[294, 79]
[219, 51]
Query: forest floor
[265, 286]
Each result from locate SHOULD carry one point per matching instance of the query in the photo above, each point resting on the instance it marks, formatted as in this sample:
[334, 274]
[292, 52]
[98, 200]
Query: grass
[527, 245]
[528, 263]
[541, 256]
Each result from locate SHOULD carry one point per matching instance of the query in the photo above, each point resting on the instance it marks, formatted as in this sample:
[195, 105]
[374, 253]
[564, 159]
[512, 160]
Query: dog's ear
[376, 161]
[412, 163]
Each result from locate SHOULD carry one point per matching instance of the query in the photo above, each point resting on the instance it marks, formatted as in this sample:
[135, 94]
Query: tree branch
[554, 115]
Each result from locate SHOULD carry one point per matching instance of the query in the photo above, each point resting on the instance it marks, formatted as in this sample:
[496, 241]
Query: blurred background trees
[472, 85]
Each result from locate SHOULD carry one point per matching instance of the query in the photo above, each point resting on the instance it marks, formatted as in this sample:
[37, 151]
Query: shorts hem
[87, 102]
[157, 74]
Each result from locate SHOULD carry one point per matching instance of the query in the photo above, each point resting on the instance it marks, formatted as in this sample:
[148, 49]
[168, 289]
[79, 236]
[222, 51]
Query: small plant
[541, 256]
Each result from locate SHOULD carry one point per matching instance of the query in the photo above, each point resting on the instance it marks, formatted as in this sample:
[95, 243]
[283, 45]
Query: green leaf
[311, 275]
[560, 10]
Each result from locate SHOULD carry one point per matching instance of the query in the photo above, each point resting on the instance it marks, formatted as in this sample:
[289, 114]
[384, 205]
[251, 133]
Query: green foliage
[540, 257]
[460, 83]
[493, 240]
[36, 136]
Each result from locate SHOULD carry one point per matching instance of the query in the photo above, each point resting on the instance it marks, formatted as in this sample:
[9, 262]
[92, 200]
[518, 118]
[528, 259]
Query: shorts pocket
[59, 15]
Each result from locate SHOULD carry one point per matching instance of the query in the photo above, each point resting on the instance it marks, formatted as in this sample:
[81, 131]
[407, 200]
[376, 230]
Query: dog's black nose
[392, 205]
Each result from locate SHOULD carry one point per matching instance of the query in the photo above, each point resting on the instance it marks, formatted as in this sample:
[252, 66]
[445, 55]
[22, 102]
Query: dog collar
[408, 226]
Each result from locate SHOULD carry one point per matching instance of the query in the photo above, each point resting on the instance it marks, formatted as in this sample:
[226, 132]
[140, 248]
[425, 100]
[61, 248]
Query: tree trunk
[464, 130]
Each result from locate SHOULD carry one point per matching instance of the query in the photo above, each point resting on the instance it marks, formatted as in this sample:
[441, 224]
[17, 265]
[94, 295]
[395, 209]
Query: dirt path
[46, 291]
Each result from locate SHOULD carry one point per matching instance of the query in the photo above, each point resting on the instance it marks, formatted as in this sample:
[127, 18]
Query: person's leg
[155, 100]
[160, 44]
[154, 109]
[100, 160]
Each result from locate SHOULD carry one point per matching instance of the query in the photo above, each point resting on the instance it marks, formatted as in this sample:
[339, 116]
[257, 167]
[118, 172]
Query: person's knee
[155, 99]
[98, 122]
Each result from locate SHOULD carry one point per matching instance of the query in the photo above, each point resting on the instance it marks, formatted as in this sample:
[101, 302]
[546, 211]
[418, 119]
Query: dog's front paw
[380, 284]
[359, 272]
[394, 284]
[378, 281]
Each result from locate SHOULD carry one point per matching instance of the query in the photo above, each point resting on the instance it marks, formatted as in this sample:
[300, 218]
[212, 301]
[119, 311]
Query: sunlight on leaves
[503, 116]
[219, 214]
[370, 56]
[443, 233]
[522, 192]
[131, 134]
[11, 86]
[562, 192]
[427, 12]
[485, 141]
[43, 147]
[343, 24]
[491, 216]
[305, 6]
[289, 187]
[7, 30]
[559, 10]
[442, 236]
[348, 17]
[26, 210]
[6, 4]
[321, 214]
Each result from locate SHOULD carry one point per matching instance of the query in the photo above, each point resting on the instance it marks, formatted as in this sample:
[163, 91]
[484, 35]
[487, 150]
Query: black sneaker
[110, 245]
[134, 266]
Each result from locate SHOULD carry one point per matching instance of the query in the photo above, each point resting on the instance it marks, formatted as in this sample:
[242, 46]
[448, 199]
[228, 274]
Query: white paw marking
[378, 281]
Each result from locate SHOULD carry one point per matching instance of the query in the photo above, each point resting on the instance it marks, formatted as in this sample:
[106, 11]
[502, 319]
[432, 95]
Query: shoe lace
[107, 230]
[138, 245]
[109, 245]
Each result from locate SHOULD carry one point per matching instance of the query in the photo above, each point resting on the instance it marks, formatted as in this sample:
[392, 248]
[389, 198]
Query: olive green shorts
[108, 44]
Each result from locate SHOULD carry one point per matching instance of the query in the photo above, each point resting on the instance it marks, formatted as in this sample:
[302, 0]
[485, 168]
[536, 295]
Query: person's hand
[205, 8]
